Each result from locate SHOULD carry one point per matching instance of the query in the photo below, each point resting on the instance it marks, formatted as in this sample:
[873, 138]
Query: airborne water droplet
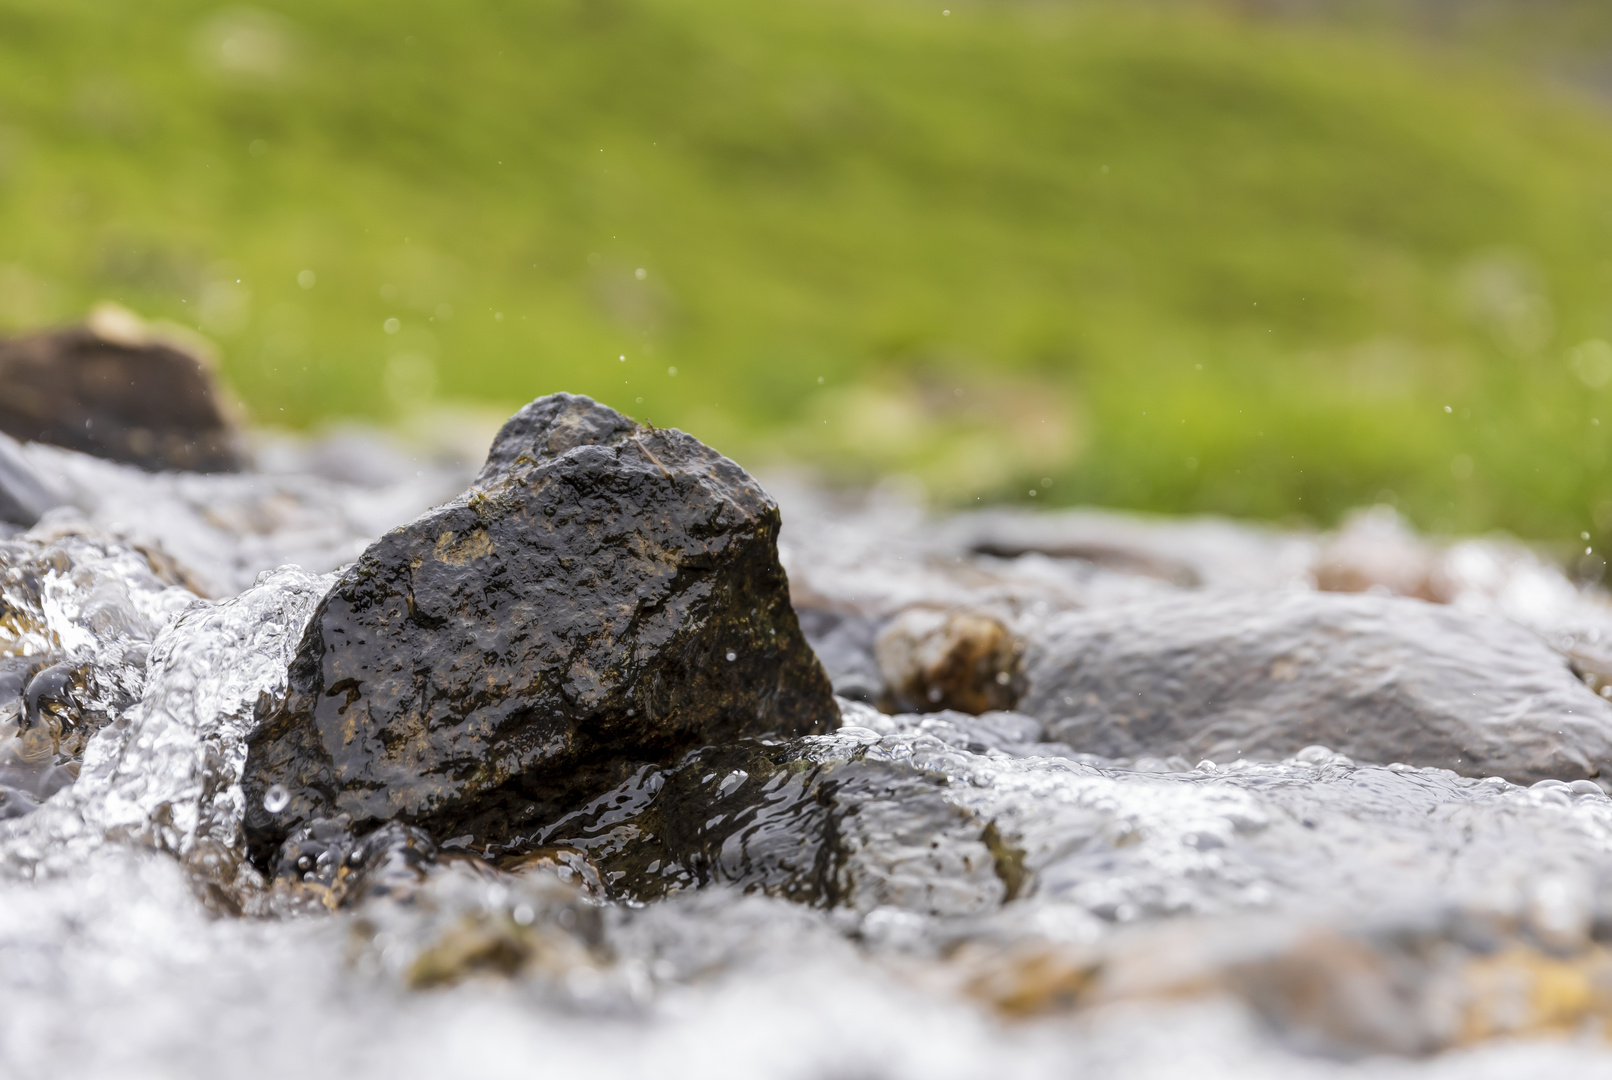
[276, 799]
[732, 656]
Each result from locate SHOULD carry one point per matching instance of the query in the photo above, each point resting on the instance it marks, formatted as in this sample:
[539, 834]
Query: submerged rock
[1380, 679]
[111, 389]
[1343, 988]
[605, 595]
[820, 821]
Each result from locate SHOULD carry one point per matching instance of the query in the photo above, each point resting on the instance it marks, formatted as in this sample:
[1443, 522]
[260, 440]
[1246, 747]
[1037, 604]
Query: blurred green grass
[1154, 257]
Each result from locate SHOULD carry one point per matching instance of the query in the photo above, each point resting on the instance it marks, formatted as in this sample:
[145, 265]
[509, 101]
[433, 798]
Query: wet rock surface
[605, 595]
[114, 390]
[987, 883]
[1377, 678]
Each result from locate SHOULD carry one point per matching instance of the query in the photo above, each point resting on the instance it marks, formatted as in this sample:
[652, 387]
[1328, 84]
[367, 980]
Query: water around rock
[917, 894]
[605, 595]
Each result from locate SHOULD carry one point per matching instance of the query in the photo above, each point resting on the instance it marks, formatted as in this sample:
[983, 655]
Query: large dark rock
[110, 390]
[604, 595]
[1381, 679]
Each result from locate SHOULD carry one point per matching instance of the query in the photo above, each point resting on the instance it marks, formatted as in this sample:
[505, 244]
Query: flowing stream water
[922, 895]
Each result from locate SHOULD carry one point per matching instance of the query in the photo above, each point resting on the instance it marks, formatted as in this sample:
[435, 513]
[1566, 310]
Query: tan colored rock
[965, 660]
[1406, 990]
[1376, 552]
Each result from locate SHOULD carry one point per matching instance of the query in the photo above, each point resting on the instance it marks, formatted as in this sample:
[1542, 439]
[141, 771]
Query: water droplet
[671, 371]
[640, 273]
[391, 326]
[523, 914]
[732, 656]
[307, 279]
[275, 799]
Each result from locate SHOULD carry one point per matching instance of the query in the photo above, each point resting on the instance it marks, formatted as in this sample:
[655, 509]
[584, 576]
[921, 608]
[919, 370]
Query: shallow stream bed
[1355, 825]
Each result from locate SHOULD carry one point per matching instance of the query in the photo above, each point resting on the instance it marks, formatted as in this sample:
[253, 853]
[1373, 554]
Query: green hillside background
[1176, 257]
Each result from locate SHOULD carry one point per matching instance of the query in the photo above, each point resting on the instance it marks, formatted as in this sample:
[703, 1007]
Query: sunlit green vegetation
[1163, 258]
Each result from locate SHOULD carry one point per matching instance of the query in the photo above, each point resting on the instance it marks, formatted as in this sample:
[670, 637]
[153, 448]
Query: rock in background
[1377, 678]
[114, 389]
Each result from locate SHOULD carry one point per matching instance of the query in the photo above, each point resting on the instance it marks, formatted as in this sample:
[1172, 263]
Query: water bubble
[275, 799]
[1591, 361]
[732, 656]
[307, 279]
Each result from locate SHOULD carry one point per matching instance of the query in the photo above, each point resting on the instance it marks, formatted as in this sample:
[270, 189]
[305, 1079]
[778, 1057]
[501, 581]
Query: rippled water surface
[916, 895]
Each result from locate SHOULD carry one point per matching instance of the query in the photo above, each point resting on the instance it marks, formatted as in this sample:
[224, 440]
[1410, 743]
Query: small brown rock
[964, 660]
[113, 389]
